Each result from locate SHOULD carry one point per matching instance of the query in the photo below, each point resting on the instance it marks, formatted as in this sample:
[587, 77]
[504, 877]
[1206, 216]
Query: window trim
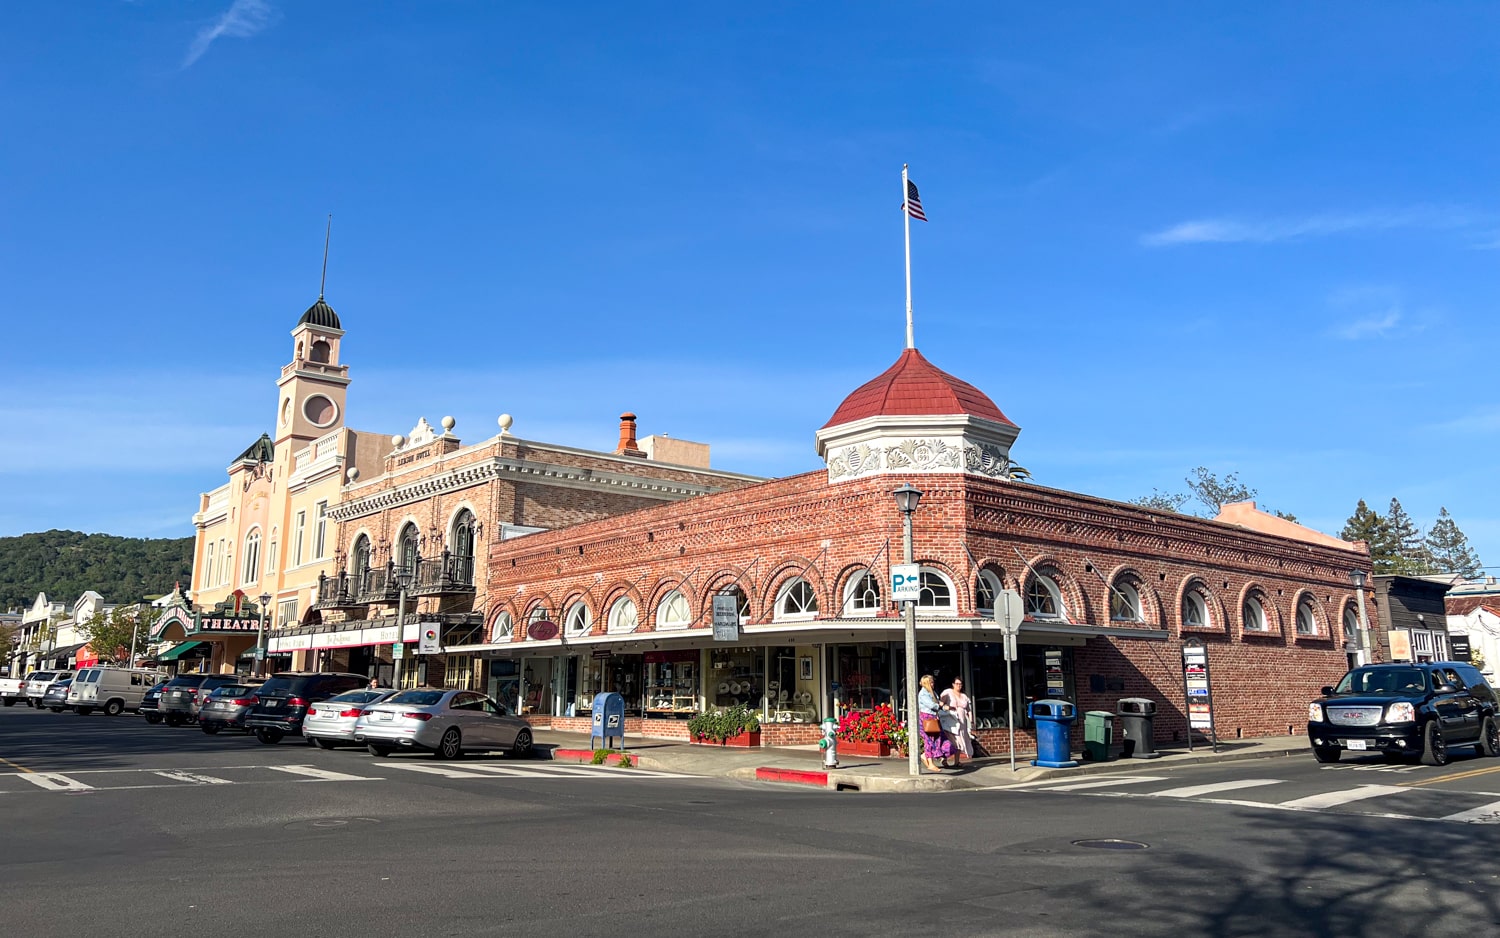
[668, 600]
[1306, 604]
[250, 563]
[991, 579]
[1260, 616]
[616, 613]
[924, 579]
[502, 618]
[1054, 589]
[299, 534]
[783, 593]
[582, 616]
[1123, 587]
[854, 591]
[320, 530]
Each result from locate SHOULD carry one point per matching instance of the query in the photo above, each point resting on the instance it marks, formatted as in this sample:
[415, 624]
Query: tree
[111, 636]
[1365, 525]
[1215, 493]
[1412, 558]
[1161, 501]
[1450, 548]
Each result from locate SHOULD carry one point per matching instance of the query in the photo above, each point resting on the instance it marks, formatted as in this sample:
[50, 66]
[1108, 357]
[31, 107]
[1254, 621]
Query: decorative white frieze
[917, 444]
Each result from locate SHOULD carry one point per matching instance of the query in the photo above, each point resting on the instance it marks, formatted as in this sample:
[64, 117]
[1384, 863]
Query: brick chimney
[627, 445]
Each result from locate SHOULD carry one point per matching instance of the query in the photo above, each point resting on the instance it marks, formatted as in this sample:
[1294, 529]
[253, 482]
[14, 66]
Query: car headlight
[1315, 713]
[1400, 713]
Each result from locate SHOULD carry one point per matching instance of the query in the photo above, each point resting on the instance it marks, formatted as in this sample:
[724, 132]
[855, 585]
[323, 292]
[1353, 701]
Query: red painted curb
[795, 776]
[587, 755]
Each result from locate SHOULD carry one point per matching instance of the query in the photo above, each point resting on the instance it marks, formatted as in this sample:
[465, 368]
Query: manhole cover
[1110, 844]
[325, 823]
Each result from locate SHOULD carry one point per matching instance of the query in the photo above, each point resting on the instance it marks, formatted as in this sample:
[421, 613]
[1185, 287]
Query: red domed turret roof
[914, 386]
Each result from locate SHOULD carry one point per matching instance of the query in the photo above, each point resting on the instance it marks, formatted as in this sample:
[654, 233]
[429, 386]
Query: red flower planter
[854, 748]
[746, 740]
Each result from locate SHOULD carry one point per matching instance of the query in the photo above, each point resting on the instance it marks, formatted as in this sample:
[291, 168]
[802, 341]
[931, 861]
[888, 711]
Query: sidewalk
[805, 764]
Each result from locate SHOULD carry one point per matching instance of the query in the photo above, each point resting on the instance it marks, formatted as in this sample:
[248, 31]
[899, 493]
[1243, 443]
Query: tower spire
[328, 233]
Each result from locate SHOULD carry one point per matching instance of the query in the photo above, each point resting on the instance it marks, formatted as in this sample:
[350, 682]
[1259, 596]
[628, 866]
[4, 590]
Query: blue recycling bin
[1054, 718]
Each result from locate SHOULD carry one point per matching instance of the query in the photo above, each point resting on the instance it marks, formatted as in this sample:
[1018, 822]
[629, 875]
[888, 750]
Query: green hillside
[65, 563]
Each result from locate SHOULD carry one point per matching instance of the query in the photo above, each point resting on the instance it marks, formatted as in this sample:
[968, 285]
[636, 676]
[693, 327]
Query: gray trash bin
[1137, 714]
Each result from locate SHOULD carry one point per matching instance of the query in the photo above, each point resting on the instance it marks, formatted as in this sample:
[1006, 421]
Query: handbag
[931, 726]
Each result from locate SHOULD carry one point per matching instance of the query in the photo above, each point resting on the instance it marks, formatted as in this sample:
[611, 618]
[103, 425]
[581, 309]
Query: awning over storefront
[177, 651]
[62, 653]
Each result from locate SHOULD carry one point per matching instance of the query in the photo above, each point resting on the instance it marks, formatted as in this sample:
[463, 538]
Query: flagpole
[911, 341]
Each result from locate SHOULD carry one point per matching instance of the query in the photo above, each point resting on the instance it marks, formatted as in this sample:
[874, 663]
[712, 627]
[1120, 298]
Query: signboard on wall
[726, 618]
[1052, 660]
[429, 640]
[1400, 645]
[1459, 645]
[1197, 689]
[906, 582]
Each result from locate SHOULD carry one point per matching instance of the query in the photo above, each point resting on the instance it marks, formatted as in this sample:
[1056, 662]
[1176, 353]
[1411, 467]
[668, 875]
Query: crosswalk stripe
[52, 781]
[1484, 814]
[1104, 783]
[1193, 791]
[1330, 799]
[194, 778]
[435, 770]
[321, 774]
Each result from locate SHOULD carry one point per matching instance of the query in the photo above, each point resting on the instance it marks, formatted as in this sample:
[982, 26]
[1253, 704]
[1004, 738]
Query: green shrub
[600, 756]
[719, 725]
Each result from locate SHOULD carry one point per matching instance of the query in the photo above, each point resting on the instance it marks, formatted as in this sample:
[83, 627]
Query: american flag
[914, 202]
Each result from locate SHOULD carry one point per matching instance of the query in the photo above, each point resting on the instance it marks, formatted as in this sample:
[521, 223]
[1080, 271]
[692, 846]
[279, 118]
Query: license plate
[271, 701]
[324, 715]
[1358, 744]
[385, 716]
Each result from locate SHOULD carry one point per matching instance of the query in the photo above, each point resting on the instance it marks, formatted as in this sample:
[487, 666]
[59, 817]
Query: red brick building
[1111, 590]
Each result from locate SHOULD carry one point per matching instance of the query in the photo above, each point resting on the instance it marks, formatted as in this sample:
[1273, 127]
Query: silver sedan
[331, 722]
[446, 722]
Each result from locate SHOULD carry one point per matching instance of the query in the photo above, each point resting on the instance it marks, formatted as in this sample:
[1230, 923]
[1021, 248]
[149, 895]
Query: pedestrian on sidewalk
[935, 744]
[958, 720]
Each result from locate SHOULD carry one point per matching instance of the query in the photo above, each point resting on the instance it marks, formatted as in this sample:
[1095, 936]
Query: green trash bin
[1098, 734]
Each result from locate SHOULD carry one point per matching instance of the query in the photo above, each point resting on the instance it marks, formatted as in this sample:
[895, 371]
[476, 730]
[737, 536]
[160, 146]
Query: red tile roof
[914, 386]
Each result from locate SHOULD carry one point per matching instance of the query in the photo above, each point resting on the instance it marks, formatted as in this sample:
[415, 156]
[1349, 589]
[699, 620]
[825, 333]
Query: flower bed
[874, 732]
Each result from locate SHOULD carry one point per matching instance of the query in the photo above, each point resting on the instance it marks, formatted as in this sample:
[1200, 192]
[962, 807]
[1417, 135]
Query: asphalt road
[113, 827]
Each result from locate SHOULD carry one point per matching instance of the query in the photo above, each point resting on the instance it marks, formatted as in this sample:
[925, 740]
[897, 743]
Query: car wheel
[451, 745]
[114, 708]
[521, 748]
[317, 743]
[1327, 754]
[83, 711]
[269, 737]
[209, 728]
[174, 719]
[379, 752]
[56, 709]
[1489, 738]
[1434, 747]
[153, 718]
[9, 702]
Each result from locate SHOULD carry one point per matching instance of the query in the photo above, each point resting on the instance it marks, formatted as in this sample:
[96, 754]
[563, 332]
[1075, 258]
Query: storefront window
[736, 676]
[671, 684]
[863, 673]
[986, 685]
[791, 685]
[616, 674]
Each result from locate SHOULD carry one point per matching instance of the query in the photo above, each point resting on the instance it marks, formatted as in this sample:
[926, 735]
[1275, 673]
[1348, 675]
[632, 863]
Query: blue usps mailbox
[609, 721]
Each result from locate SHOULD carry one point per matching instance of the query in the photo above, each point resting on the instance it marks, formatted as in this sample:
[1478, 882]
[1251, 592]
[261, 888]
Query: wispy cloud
[243, 19]
[1268, 230]
[1377, 325]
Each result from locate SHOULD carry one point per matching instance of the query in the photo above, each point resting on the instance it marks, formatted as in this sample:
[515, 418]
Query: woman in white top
[958, 719]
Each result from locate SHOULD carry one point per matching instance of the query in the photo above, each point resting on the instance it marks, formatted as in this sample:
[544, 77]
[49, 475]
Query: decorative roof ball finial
[505, 421]
[448, 424]
[398, 441]
[352, 475]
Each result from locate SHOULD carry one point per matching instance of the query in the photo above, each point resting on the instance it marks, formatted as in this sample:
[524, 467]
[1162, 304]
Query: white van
[110, 689]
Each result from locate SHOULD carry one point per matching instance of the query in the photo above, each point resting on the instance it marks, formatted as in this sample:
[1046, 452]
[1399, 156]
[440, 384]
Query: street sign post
[906, 582]
[1008, 612]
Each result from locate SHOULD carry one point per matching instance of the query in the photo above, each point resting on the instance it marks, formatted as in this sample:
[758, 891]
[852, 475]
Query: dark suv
[183, 695]
[1409, 710]
[284, 699]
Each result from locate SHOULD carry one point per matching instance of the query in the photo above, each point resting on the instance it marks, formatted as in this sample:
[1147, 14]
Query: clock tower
[313, 387]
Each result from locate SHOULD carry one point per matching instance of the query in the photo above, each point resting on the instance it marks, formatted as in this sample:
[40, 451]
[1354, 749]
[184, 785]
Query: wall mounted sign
[726, 618]
[1459, 645]
[541, 630]
[906, 582]
[1197, 691]
[1400, 645]
[429, 640]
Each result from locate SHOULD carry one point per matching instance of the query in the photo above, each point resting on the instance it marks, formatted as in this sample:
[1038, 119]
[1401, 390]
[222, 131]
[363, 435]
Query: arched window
[407, 549]
[461, 538]
[1254, 615]
[986, 589]
[1043, 598]
[359, 557]
[862, 594]
[501, 629]
[796, 600]
[623, 616]
[208, 567]
[1351, 624]
[934, 594]
[1125, 602]
[741, 601]
[673, 612]
[1307, 617]
[252, 557]
[320, 352]
[579, 619]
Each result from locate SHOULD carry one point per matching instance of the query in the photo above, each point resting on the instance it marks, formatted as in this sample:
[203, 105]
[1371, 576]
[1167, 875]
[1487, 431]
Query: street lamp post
[403, 576]
[260, 637]
[1358, 576]
[907, 498]
[135, 631]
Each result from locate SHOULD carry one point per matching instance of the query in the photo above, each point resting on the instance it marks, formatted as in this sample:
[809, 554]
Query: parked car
[56, 697]
[331, 722]
[226, 707]
[114, 690]
[285, 697]
[13, 689]
[445, 722]
[38, 682]
[149, 701]
[183, 695]
[1411, 710]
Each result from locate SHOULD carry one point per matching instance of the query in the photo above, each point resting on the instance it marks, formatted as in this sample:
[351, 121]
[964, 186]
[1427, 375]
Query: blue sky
[1264, 239]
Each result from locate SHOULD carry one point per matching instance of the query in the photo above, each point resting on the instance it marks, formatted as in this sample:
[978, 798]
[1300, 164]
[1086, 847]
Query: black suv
[183, 695]
[1410, 710]
[284, 699]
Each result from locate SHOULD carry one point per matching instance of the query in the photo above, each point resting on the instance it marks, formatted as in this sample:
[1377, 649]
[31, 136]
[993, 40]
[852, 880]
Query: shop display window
[618, 674]
[863, 673]
[671, 684]
[791, 685]
[736, 676]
